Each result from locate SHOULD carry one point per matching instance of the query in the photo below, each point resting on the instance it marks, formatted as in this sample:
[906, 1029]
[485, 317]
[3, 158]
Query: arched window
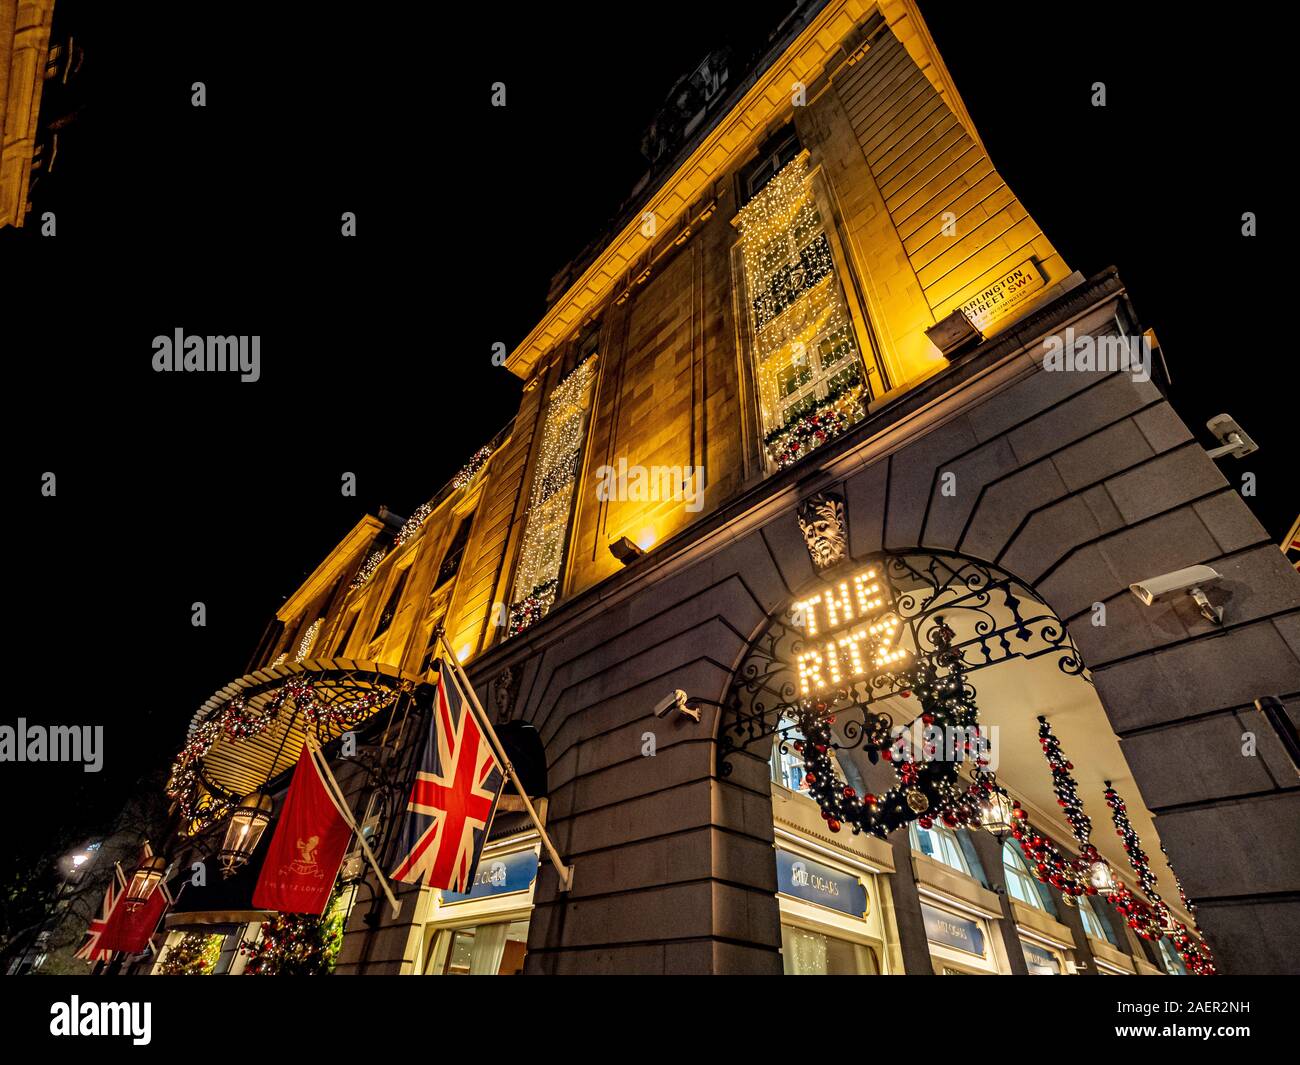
[1093, 923]
[1020, 883]
[788, 766]
[1173, 963]
[941, 844]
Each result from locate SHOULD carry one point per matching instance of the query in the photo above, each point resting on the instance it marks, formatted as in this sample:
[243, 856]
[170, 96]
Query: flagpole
[335, 793]
[565, 872]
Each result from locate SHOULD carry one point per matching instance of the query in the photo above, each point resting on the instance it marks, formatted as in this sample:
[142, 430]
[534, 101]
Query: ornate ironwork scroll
[992, 618]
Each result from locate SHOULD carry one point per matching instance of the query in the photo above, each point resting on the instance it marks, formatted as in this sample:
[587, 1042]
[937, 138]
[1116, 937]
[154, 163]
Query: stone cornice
[693, 181]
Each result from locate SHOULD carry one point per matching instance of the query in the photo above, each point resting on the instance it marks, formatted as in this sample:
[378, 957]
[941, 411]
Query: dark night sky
[376, 352]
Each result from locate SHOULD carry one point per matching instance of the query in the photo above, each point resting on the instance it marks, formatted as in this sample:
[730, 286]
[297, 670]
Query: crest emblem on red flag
[452, 800]
[307, 849]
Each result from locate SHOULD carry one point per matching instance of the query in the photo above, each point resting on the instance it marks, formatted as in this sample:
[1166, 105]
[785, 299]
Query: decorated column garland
[1195, 954]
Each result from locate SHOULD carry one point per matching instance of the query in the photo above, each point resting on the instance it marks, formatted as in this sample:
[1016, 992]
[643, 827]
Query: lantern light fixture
[247, 823]
[144, 881]
[1100, 877]
[997, 814]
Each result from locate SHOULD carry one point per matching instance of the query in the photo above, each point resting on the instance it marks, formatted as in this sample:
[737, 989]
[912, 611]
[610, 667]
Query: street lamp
[997, 814]
[247, 823]
[144, 880]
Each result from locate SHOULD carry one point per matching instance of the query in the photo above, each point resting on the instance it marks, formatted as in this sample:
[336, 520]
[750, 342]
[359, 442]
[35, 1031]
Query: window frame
[1017, 871]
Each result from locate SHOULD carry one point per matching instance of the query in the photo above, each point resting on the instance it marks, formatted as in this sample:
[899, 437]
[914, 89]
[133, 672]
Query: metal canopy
[240, 761]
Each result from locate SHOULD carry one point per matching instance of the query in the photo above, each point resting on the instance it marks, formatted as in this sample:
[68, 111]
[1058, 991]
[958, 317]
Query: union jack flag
[90, 949]
[453, 798]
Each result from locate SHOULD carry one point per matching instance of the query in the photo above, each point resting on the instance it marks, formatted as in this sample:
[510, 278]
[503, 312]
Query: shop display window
[495, 949]
[805, 952]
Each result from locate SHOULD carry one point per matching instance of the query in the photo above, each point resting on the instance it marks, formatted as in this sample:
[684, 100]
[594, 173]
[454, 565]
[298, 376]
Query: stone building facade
[953, 435]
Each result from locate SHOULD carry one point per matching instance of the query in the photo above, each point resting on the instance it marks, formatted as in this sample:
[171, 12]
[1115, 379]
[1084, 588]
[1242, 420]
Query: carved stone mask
[822, 522]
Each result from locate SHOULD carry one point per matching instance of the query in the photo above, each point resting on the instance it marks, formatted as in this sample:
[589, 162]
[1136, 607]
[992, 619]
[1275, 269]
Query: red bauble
[849, 793]
[810, 778]
[925, 822]
[832, 824]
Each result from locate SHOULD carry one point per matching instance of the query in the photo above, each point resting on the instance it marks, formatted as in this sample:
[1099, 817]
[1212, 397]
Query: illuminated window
[1020, 883]
[808, 953]
[551, 500]
[788, 764]
[812, 385]
[496, 949]
[941, 844]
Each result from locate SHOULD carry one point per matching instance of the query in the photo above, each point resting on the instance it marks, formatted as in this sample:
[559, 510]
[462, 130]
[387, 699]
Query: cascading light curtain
[550, 502]
[810, 377]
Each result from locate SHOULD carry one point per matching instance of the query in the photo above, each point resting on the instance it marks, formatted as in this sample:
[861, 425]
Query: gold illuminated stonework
[24, 43]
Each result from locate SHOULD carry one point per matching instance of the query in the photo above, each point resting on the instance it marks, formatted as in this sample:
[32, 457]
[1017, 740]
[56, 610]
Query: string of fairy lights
[237, 721]
[307, 641]
[808, 370]
[547, 522]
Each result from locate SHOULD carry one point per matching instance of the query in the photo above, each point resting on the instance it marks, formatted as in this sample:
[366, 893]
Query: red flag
[307, 849]
[130, 928]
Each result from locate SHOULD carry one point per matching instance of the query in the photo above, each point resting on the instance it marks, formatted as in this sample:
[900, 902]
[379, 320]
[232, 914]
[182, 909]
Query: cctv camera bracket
[1211, 613]
[1236, 441]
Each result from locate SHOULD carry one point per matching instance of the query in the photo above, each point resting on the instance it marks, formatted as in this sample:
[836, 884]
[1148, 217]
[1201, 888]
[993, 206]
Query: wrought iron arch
[982, 616]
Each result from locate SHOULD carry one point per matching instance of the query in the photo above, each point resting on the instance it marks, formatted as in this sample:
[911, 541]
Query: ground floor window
[805, 952]
[1041, 961]
[493, 949]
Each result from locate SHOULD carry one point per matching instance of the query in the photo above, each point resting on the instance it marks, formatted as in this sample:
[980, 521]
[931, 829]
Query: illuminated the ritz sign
[852, 631]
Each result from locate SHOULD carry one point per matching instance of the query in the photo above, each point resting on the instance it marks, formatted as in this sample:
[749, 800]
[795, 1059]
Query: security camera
[1187, 581]
[676, 700]
[1233, 438]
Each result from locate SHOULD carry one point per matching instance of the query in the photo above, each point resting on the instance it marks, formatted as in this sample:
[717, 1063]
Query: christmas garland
[297, 944]
[412, 524]
[195, 955]
[470, 470]
[927, 789]
[825, 421]
[1195, 954]
[236, 722]
[532, 607]
[368, 568]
